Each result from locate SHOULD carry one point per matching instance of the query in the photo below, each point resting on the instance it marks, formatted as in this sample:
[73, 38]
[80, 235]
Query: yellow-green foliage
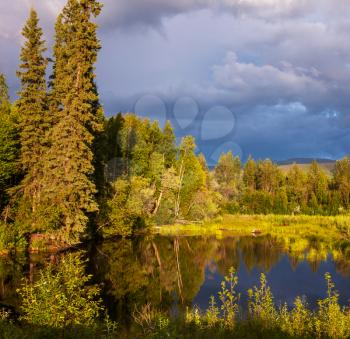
[331, 320]
[59, 304]
[227, 314]
[61, 296]
[229, 298]
[260, 304]
[298, 321]
[264, 319]
[130, 206]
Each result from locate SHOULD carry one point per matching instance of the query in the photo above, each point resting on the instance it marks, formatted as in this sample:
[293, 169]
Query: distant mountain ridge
[306, 161]
[327, 165]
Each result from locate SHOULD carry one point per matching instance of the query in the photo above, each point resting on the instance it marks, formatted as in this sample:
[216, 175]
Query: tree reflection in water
[170, 272]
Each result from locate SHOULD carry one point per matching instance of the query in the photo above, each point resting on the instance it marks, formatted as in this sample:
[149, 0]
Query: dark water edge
[172, 273]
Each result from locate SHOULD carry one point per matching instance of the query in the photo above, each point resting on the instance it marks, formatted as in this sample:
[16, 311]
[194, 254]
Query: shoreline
[338, 227]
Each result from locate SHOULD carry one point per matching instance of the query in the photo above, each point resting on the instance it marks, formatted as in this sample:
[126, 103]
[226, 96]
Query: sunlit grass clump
[224, 317]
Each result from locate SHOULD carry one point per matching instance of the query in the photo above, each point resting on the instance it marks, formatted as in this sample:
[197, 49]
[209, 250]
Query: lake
[173, 273]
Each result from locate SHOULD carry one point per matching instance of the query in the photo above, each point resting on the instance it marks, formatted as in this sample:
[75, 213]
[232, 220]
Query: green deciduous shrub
[61, 296]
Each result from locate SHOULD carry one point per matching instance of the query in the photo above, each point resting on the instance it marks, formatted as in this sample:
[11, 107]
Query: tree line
[68, 172]
[262, 187]
[156, 181]
[49, 165]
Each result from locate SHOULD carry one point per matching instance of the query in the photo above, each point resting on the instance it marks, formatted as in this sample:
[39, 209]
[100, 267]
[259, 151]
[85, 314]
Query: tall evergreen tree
[70, 169]
[8, 142]
[57, 84]
[32, 110]
[4, 90]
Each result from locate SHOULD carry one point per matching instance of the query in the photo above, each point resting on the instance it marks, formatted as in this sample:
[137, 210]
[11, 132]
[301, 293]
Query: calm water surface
[172, 273]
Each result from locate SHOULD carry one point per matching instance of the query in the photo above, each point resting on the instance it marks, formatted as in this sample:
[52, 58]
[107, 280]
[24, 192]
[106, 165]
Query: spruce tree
[4, 91]
[32, 111]
[70, 170]
[8, 143]
[58, 87]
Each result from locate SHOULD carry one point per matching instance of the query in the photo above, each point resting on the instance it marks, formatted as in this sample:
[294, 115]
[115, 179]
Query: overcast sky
[269, 78]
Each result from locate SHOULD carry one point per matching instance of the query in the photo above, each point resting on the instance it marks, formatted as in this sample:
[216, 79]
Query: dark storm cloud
[281, 66]
[292, 129]
[128, 13]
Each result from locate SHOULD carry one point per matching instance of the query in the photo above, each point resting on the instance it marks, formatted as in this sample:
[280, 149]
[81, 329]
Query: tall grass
[333, 227]
[264, 319]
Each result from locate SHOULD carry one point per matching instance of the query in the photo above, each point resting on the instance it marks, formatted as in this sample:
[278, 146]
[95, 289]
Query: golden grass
[330, 228]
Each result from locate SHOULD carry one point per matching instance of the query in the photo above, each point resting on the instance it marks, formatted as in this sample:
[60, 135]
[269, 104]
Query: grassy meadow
[328, 227]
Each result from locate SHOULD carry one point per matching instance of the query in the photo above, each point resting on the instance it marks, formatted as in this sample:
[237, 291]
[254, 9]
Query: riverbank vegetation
[68, 174]
[328, 227]
[302, 236]
[59, 303]
[140, 279]
[70, 315]
[223, 318]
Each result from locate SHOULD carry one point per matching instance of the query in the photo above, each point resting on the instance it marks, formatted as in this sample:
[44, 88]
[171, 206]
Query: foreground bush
[61, 297]
[61, 303]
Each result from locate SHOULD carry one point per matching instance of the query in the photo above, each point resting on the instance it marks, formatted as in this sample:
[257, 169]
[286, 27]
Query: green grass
[336, 227]
[315, 235]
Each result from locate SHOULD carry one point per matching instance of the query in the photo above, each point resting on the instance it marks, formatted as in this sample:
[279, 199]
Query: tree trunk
[177, 202]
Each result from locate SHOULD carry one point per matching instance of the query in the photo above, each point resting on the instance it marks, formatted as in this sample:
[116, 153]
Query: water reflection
[172, 273]
[12, 271]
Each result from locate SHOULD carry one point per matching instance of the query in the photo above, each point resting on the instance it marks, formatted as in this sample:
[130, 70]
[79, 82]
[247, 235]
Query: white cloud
[290, 62]
[248, 81]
